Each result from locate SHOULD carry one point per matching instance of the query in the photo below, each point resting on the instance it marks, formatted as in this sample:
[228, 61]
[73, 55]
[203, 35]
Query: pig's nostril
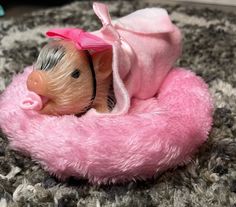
[35, 82]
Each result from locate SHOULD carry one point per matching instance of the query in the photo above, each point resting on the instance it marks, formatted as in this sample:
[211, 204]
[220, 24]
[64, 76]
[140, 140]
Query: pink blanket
[145, 47]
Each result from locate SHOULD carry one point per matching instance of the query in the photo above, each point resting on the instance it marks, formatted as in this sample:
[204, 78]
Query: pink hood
[145, 47]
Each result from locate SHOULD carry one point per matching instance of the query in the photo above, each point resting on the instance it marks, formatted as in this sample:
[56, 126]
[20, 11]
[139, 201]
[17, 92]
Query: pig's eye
[75, 73]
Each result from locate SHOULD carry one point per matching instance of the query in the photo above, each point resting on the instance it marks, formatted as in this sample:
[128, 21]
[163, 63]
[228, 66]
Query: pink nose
[36, 82]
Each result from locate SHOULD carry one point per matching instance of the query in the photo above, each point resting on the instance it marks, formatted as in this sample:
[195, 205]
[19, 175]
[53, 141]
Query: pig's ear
[103, 63]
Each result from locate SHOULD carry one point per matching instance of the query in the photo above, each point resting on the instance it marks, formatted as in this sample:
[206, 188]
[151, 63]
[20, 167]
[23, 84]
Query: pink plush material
[163, 114]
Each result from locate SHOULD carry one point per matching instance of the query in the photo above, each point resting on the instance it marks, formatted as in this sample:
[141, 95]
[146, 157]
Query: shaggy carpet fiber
[209, 180]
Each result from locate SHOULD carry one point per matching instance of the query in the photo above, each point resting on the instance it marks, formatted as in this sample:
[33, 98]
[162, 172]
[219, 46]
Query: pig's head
[69, 78]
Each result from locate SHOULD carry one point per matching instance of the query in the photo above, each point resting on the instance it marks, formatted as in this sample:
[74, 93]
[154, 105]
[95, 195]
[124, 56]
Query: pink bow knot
[83, 40]
[108, 29]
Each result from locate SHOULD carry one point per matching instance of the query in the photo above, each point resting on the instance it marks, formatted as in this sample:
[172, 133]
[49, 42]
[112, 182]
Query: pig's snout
[36, 82]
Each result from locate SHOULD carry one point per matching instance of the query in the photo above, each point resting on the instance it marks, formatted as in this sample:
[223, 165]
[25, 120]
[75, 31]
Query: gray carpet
[209, 180]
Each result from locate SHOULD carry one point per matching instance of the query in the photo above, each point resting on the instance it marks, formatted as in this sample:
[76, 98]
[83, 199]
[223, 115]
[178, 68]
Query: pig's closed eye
[75, 73]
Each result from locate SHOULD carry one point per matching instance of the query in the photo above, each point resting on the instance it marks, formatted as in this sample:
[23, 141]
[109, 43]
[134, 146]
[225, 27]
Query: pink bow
[83, 40]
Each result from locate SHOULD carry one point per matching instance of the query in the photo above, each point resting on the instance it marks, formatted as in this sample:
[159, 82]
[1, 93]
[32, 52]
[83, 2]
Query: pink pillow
[156, 134]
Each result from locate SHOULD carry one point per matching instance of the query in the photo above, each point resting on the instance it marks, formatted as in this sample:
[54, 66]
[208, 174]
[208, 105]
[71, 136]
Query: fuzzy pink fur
[156, 134]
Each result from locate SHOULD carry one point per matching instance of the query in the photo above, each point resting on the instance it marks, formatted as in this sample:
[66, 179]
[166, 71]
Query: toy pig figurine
[72, 79]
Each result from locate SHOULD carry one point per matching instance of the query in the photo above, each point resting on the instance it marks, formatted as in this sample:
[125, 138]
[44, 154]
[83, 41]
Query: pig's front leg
[101, 107]
[50, 108]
